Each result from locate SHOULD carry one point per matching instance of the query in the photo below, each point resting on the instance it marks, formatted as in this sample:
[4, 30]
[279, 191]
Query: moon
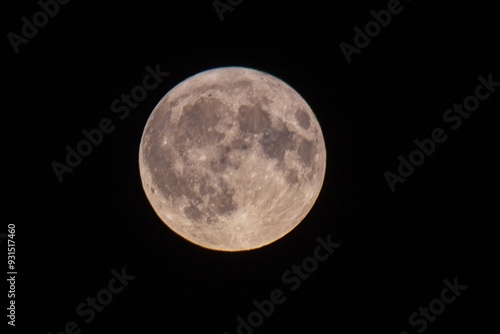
[232, 159]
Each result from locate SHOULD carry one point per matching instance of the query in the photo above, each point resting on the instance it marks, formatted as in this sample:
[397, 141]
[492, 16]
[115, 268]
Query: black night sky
[421, 257]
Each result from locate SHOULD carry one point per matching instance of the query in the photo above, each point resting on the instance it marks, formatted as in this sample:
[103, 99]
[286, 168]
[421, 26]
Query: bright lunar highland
[232, 159]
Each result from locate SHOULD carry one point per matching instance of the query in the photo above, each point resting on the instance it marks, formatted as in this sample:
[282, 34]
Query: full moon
[232, 159]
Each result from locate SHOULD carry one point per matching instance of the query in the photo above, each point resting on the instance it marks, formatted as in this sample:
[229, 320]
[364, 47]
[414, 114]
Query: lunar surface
[232, 159]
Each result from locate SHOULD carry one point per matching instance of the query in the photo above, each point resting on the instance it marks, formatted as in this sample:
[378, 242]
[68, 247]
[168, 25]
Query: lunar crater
[303, 119]
[253, 119]
[275, 142]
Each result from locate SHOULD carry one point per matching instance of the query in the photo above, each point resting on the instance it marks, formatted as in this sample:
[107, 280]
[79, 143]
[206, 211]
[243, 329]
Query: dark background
[397, 248]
